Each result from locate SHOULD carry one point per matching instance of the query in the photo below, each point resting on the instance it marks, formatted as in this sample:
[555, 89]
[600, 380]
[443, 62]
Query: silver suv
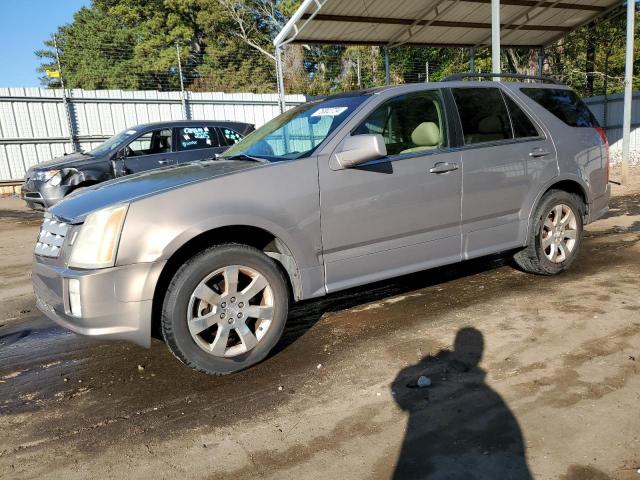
[338, 192]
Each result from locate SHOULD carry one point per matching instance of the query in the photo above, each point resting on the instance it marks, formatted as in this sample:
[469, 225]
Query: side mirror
[358, 149]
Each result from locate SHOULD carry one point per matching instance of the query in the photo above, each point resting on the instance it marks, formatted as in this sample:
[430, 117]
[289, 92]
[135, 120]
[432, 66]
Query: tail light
[603, 135]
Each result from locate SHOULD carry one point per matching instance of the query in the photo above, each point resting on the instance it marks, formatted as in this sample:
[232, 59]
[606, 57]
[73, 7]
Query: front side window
[522, 126]
[297, 132]
[150, 143]
[409, 123]
[564, 104]
[196, 137]
[483, 115]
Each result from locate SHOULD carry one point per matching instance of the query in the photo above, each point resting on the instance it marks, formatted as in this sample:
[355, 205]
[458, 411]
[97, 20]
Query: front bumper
[40, 195]
[116, 302]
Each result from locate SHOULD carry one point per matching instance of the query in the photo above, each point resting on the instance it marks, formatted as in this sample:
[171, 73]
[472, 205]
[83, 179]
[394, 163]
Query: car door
[196, 142]
[151, 149]
[398, 214]
[503, 154]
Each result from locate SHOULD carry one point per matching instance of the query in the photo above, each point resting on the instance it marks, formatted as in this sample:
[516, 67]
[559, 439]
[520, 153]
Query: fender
[94, 175]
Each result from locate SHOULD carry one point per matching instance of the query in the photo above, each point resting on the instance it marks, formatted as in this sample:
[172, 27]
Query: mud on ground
[532, 378]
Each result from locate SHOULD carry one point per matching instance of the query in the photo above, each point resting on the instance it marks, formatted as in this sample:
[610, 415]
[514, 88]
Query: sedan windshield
[113, 143]
[297, 132]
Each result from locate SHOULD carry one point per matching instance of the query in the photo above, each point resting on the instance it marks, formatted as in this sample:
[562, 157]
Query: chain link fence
[102, 86]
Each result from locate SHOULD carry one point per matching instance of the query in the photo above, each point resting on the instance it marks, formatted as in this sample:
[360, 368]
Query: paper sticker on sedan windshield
[328, 112]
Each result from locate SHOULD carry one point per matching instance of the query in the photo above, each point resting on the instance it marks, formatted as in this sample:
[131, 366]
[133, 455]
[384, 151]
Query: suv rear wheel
[555, 236]
[225, 309]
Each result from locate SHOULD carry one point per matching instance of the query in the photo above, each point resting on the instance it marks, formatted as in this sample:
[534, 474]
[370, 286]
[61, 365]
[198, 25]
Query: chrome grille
[51, 237]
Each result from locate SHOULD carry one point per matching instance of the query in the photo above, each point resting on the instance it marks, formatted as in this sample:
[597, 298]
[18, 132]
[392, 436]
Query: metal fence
[608, 110]
[36, 124]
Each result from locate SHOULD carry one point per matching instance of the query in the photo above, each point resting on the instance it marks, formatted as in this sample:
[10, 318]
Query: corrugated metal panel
[613, 105]
[34, 127]
[338, 21]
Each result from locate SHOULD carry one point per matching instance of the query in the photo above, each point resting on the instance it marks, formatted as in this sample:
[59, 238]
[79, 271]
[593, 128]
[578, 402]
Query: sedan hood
[65, 161]
[75, 207]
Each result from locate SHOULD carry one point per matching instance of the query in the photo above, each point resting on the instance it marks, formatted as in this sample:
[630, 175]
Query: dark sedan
[143, 147]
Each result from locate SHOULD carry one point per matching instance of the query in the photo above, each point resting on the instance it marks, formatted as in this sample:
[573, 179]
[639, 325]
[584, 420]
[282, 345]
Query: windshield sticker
[329, 112]
[130, 132]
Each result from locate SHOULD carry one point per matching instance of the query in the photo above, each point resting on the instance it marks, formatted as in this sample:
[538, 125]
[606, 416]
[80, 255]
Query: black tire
[532, 258]
[175, 330]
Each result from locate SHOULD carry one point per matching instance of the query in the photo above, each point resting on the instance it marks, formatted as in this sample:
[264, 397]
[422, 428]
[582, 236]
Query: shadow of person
[458, 428]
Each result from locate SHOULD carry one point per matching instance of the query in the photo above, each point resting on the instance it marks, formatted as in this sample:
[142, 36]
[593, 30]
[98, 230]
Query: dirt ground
[532, 377]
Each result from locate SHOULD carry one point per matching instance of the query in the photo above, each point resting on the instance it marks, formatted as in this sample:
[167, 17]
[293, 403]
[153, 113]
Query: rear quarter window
[564, 104]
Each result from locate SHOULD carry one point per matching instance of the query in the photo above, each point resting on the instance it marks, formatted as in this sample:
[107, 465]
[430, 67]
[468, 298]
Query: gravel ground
[532, 377]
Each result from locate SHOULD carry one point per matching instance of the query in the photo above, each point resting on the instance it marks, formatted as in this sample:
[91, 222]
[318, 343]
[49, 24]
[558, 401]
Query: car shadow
[458, 426]
[307, 313]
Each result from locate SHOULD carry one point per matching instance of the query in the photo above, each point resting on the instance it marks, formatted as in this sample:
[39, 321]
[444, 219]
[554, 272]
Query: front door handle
[538, 152]
[443, 167]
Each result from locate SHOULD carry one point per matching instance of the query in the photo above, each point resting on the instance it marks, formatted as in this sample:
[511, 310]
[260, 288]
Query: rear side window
[564, 104]
[483, 115]
[522, 126]
[194, 138]
[228, 137]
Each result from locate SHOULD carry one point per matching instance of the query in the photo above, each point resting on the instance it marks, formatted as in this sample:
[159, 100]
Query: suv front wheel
[225, 309]
[555, 235]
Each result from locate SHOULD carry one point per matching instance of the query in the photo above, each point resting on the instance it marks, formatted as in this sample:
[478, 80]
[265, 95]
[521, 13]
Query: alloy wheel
[559, 233]
[230, 311]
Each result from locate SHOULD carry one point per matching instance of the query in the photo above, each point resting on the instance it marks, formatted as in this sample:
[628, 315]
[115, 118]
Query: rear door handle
[443, 167]
[164, 162]
[538, 152]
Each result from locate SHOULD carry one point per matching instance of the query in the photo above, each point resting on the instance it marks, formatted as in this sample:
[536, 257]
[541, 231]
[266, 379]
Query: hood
[76, 206]
[65, 161]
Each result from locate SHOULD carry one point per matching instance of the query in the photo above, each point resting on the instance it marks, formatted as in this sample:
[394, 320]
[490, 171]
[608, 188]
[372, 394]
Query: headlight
[54, 177]
[46, 175]
[97, 242]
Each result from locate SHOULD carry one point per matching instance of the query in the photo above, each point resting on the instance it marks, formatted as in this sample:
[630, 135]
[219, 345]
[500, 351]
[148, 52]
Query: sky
[24, 26]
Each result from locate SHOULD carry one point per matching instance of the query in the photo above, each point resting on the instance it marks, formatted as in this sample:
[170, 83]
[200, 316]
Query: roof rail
[519, 76]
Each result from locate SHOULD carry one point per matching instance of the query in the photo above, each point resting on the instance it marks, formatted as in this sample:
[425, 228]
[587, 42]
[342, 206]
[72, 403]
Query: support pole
[540, 61]
[65, 100]
[387, 75]
[628, 91]
[359, 72]
[183, 98]
[280, 80]
[426, 67]
[495, 37]
[472, 60]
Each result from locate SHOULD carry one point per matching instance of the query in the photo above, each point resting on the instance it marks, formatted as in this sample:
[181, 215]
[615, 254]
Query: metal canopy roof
[526, 23]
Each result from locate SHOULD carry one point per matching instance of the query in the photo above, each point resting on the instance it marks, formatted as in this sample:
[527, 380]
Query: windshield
[113, 143]
[297, 132]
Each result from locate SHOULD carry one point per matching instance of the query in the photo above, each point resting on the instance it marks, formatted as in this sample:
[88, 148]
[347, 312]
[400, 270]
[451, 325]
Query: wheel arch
[568, 184]
[253, 236]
